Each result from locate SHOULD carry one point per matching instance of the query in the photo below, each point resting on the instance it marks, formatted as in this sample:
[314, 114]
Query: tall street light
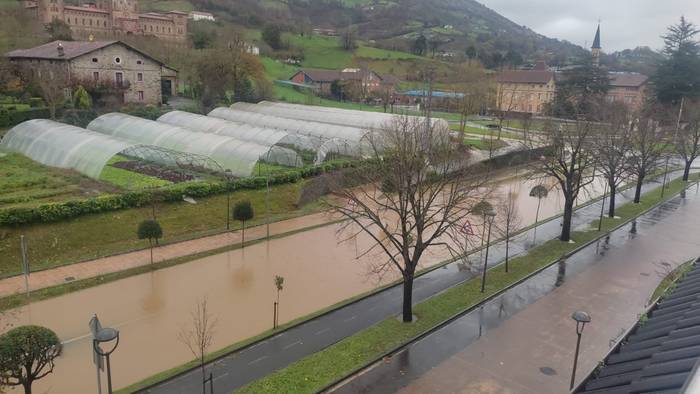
[490, 215]
[581, 319]
[103, 335]
[228, 175]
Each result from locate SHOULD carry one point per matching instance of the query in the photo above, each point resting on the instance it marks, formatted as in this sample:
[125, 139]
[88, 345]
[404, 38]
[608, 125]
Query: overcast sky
[624, 23]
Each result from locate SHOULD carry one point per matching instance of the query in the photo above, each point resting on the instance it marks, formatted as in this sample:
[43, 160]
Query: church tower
[49, 10]
[595, 48]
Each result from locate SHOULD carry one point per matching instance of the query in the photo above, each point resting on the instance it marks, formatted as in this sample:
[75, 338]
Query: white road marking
[348, 319]
[322, 331]
[291, 344]
[257, 360]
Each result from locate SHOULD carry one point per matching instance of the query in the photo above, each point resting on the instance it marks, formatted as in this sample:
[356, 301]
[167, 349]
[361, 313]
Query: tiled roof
[85, 9]
[525, 76]
[626, 79]
[339, 75]
[71, 49]
[660, 353]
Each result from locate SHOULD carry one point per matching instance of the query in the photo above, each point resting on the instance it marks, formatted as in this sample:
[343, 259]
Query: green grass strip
[320, 369]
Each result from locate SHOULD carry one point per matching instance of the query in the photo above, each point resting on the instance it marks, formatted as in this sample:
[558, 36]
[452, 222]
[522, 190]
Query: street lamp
[227, 174]
[581, 319]
[101, 335]
[490, 215]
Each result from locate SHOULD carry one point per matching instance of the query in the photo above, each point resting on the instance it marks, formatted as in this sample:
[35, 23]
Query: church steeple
[595, 48]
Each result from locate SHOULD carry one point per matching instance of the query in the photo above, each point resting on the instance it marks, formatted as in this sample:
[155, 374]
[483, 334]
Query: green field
[24, 182]
[165, 5]
[96, 235]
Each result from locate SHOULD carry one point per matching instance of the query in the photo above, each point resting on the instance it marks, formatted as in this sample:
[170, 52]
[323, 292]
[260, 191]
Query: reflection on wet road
[465, 355]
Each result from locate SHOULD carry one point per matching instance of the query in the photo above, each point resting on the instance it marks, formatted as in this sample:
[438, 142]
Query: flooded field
[150, 309]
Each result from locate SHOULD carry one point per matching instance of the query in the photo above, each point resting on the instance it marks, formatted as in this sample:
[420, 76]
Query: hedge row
[11, 118]
[54, 212]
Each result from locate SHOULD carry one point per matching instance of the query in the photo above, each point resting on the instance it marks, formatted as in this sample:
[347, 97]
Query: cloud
[624, 23]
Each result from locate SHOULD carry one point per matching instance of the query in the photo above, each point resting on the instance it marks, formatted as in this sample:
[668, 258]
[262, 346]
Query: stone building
[112, 18]
[527, 91]
[134, 75]
[365, 81]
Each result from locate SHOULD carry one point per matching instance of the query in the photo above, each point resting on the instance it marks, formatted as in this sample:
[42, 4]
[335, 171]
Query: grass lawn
[129, 180]
[321, 51]
[382, 54]
[484, 144]
[322, 368]
[25, 182]
[166, 5]
[91, 236]
[16, 107]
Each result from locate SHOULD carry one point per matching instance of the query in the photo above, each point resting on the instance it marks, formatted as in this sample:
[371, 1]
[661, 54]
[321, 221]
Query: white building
[201, 16]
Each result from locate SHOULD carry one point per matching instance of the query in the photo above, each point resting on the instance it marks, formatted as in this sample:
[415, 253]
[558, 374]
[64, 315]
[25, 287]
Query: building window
[139, 61]
[119, 79]
[94, 60]
[140, 95]
[105, 23]
[96, 76]
[83, 21]
[118, 60]
[139, 77]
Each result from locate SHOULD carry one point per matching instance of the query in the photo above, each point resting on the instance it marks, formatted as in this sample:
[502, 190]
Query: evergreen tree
[679, 75]
[243, 90]
[420, 45]
[580, 92]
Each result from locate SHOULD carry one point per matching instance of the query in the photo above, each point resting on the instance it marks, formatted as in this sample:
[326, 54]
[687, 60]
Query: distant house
[525, 90]
[627, 88]
[140, 77]
[325, 32]
[201, 16]
[369, 81]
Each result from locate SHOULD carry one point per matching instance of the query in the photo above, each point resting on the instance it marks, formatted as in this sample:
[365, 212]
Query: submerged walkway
[523, 341]
[120, 262]
[242, 367]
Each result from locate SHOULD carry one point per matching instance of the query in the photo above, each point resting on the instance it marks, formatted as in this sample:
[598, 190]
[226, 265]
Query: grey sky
[624, 23]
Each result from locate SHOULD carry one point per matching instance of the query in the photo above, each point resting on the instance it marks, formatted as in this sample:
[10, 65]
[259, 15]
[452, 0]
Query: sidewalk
[120, 262]
[523, 341]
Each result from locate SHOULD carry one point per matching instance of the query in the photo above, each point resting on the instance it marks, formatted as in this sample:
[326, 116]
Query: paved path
[523, 341]
[121, 262]
[240, 368]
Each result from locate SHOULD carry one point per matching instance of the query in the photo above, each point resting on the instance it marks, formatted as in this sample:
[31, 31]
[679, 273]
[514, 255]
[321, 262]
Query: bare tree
[612, 146]
[569, 160]
[510, 219]
[50, 81]
[506, 102]
[688, 139]
[414, 195]
[198, 338]
[646, 153]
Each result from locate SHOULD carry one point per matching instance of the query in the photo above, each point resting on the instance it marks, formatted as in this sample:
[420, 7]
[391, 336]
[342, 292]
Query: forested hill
[452, 28]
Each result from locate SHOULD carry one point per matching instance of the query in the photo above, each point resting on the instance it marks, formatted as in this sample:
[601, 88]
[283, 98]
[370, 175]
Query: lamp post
[581, 319]
[227, 174]
[103, 335]
[490, 215]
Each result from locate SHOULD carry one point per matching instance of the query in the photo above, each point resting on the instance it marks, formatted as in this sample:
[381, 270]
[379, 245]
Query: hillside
[453, 28]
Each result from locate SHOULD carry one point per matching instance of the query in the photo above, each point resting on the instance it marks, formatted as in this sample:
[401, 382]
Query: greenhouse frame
[65, 146]
[237, 157]
[244, 132]
[339, 116]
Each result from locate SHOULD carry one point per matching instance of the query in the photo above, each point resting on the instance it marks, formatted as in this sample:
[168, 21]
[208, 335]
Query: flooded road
[151, 309]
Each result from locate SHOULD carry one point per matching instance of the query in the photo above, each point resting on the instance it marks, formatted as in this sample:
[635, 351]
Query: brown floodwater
[150, 309]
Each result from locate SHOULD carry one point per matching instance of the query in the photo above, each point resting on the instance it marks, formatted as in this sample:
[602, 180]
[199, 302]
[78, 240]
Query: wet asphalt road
[429, 352]
[240, 368]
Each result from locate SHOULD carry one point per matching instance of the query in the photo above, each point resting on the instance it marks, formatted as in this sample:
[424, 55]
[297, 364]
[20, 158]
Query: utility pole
[675, 137]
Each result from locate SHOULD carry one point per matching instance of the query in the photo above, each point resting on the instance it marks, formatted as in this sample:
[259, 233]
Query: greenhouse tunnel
[343, 140]
[235, 156]
[352, 118]
[65, 146]
[302, 144]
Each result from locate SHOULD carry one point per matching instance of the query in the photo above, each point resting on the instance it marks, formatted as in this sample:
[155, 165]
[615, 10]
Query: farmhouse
[138, 77]
[366, 81]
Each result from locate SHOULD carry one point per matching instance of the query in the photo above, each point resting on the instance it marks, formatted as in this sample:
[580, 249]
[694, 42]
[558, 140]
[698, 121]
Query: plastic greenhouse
[60, 145]
[233, 155]
[352, 118]
[243, 132]
[349, 141]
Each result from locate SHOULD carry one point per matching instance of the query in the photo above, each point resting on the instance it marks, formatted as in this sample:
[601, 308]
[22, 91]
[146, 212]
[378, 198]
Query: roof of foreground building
[660, 354]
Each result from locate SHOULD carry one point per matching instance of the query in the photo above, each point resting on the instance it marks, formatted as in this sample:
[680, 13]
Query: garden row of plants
[53, 212]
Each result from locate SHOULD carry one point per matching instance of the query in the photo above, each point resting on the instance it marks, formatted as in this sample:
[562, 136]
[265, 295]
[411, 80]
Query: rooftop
[526, 76]
[659, 355]
[71, 50]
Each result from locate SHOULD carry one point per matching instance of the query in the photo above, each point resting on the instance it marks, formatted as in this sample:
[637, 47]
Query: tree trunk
[507, 245]
[638, 189]
[27, 387]
[150, 244]
[611, 206]
[408, 298]
[566, 224]
[243, 234]
[686, 171]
